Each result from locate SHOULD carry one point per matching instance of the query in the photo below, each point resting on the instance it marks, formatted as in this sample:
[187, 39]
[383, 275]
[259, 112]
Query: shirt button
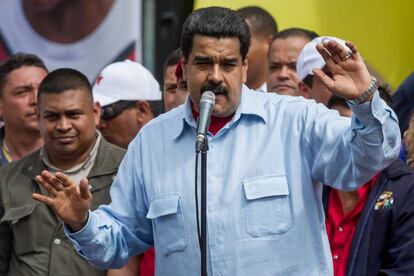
[57, 241]
[340, 229]
[335, 257]
[210, 209]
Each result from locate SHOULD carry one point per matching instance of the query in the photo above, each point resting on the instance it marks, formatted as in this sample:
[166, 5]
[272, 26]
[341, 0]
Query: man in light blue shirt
[265, 214]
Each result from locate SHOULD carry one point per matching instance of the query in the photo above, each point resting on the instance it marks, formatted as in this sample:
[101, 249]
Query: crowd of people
[308, 168]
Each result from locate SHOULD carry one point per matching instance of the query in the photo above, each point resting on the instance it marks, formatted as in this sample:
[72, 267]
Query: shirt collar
[251, 105]
[262, 88]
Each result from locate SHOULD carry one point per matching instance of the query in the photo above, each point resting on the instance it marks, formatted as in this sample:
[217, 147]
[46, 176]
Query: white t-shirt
[118, 35]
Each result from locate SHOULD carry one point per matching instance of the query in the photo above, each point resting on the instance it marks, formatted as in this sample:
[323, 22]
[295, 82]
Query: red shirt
[216, 123]
[146, 266]
[341, 227]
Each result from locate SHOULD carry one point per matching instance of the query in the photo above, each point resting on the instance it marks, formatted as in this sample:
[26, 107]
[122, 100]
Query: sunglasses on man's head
[111, 111]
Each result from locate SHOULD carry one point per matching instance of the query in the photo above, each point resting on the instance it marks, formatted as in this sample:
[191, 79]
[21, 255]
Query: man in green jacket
[32, 239]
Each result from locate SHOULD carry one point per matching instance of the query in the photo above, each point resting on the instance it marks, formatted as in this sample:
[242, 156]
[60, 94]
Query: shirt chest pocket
[24, 227]
[168, 223]
[267, 208]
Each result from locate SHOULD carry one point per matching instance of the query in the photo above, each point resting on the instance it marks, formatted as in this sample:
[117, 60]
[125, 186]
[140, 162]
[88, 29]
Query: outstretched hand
[70, 201]
[350, 76]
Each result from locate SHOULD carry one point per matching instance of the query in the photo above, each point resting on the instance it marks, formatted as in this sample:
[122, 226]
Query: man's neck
[254, 84]
[348, 200]
[69, 21]
[20, 144]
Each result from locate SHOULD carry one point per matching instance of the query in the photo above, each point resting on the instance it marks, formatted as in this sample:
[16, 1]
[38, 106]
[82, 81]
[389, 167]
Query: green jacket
[32, 240]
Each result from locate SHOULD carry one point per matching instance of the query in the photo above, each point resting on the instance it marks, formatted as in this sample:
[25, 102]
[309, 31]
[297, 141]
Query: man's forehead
[206, 43]
[69, 99]
[291, 42]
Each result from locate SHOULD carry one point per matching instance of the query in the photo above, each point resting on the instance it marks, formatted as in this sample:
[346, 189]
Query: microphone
[206, 107]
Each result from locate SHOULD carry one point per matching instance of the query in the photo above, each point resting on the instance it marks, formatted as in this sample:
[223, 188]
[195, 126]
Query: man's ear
[184, 67]
[269, 39]
[143, 112]
[96, 112]
[304, 90]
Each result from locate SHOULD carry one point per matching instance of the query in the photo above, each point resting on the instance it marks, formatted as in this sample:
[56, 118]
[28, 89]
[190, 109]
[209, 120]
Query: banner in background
[116, 37]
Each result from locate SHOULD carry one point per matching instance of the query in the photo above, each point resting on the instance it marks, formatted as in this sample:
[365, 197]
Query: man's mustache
[215, 88]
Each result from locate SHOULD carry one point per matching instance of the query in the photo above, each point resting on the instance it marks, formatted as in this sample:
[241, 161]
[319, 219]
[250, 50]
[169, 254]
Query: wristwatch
[373, 86]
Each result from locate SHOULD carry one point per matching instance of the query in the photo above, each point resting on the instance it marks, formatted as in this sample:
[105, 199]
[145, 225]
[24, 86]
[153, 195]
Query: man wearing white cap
[129, 96]
[309, 59]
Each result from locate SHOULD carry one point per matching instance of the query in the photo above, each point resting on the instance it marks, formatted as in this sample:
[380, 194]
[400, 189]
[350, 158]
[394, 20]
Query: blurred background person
[129, 97]
[403, 102]
[283, 55]
[358, 245]
[262, 28]
[20, 76]
[175, 87]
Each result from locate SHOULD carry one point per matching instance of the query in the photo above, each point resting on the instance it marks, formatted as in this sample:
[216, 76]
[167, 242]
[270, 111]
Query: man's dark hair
[217, 22]
[157, 107]
[308, 80]
[172, 59]
[261, 22]
[335, 100]
[17, 61]
[64, 79]
[296, 32]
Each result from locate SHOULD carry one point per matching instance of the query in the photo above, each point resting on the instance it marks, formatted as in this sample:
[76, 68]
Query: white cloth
[120, 28]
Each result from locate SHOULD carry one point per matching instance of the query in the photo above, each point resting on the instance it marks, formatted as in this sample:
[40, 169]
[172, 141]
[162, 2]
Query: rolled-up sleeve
[346, 155]
[120, 230]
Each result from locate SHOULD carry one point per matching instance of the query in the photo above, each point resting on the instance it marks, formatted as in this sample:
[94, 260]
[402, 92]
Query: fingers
[330, 62]
[44, 182]
[85, 193]
[47, 177]
[354, 49]
[336, 52]
[325, 79]
[45, 199]
[64, 179]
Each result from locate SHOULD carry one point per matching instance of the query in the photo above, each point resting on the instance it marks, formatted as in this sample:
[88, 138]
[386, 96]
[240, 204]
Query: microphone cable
[196, 198]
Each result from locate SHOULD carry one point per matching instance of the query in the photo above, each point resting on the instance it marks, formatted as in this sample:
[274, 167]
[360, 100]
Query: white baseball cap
[309, 58]
[125, 81]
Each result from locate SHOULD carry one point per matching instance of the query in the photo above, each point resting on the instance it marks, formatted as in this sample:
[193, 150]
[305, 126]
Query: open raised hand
[70, 201]
[350, 76]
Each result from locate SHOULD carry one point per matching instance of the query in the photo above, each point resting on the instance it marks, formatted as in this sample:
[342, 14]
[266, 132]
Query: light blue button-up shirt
[265, 214]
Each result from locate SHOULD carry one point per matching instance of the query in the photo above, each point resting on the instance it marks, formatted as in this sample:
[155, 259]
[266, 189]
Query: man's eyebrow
[230, 59]
[23, 87]
[202, 58]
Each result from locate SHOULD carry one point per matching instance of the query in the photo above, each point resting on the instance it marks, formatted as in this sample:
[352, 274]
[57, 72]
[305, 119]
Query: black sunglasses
[109, 112]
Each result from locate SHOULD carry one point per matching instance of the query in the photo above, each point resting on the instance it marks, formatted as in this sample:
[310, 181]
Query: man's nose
[283, 73]
[216, 75]
[64, 124]
[33, 97]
